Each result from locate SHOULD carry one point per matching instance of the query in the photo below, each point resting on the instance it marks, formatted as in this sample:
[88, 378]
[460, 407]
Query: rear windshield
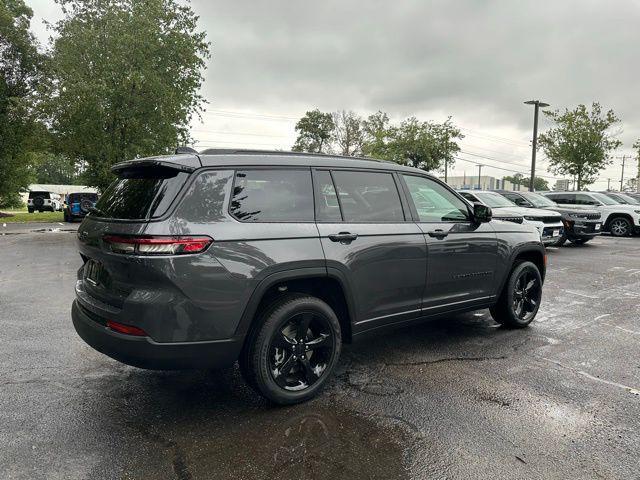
[39, 194]
[76, 197]
[140, 194]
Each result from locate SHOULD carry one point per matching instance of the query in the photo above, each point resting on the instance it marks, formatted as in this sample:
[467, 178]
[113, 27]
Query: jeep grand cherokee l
[548, 223]
[620, 220]
[276, 259]
[580, 226]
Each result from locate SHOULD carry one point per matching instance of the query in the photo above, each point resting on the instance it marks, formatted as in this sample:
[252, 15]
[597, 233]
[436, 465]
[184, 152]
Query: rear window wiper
[96, 211]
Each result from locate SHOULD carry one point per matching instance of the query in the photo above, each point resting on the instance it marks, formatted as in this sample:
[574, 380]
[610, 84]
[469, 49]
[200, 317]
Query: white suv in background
[618, 219]
[548, 222]
[43, 202]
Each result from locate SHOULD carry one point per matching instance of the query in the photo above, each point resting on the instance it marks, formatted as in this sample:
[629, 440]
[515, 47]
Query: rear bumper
[143, 352]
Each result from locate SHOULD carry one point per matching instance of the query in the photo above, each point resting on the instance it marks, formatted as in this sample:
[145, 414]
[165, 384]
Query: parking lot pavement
[451, 398]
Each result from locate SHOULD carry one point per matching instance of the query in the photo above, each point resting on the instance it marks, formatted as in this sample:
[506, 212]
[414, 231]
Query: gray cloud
[475, 60]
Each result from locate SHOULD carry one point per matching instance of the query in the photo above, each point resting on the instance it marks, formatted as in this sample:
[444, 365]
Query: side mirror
[482, 213]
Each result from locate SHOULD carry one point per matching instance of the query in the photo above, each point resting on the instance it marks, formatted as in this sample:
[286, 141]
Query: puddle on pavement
[289, 443]
[190, 426]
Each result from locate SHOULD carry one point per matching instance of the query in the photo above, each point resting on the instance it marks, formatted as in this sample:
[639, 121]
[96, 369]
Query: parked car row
[576, 217]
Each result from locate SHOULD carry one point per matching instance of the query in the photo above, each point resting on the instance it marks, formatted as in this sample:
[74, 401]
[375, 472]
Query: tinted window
[517, 199]
[582, 199]
[78, 197]
[141, 193]
[602, 199]
[39, 194]
[204, 201]
[434, 202]
[469, 196]
[368, 197]
[327, 206]
[272, 196]
[566, 198]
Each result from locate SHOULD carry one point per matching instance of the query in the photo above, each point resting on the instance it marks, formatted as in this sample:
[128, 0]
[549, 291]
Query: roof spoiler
[150, 163]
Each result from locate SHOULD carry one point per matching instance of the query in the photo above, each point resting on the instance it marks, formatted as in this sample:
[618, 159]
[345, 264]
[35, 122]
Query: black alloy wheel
[520, 298]
[292, 349]
[526, 295]
[301, 350]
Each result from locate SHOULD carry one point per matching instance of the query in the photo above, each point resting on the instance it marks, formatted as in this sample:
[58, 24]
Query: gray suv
[275, 259]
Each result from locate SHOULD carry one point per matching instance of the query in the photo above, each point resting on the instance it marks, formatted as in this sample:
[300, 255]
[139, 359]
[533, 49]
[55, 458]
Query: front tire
[291, 354]
[620, 227]
[520, 299]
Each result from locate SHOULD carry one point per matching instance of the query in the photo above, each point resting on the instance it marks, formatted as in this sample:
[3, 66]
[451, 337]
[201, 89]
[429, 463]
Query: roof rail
[229, 151]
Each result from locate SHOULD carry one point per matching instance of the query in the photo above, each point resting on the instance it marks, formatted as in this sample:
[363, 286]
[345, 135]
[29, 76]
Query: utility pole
[624, 159]
[446, 167]
[608, 184]
[480, 176]
[534, 144]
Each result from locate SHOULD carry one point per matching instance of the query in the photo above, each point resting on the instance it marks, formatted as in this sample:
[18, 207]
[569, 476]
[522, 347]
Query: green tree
[424, 145]
[127, 77]
[581, 143]
[315, 130]
[51, 168]
[519, 179]
[348, 133]
[21, 72]
[376, 135]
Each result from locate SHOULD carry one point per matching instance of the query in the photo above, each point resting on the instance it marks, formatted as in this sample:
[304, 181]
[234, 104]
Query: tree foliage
[519, 179]
[127, 76]
[22, 68]
[580, 143]
[425, 145]
[315, 130]
[348, 133]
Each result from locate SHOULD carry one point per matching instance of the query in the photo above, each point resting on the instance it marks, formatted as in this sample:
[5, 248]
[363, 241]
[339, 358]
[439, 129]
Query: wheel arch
[329, 287]
[535, 254]
[613, 216]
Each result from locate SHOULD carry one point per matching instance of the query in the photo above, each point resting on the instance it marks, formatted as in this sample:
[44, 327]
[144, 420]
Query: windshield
[538, 200]
[494, 200]
[601, 197]
[624, 198]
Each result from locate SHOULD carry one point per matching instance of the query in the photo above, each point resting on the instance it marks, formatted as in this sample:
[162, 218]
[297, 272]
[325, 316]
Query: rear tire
[520, 299]
[292, 352]
[620, 227]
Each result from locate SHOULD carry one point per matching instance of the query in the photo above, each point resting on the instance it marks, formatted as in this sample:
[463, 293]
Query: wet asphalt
[452, 398]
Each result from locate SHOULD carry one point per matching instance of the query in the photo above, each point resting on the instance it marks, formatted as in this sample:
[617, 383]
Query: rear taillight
[156, 245]
[126, 329]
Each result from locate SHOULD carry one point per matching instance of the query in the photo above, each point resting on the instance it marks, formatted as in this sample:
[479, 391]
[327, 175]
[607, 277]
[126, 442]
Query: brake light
[156, 245]
[126, 329]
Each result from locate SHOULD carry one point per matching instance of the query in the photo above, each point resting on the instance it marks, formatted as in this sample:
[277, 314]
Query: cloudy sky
[474, 60]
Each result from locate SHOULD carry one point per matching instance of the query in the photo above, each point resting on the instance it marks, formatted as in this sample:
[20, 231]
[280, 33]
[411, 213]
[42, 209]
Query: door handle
[343, 237]
[438, 233]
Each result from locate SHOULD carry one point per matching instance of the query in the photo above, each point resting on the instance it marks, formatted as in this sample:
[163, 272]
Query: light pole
[480, 177]
[534, 146]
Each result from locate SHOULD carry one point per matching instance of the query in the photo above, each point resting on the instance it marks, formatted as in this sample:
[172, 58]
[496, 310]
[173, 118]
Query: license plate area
[551, 232]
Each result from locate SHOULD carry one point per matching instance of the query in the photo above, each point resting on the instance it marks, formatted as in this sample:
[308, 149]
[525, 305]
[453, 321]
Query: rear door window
[272, 196]
[141, 193]
[368, 197]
